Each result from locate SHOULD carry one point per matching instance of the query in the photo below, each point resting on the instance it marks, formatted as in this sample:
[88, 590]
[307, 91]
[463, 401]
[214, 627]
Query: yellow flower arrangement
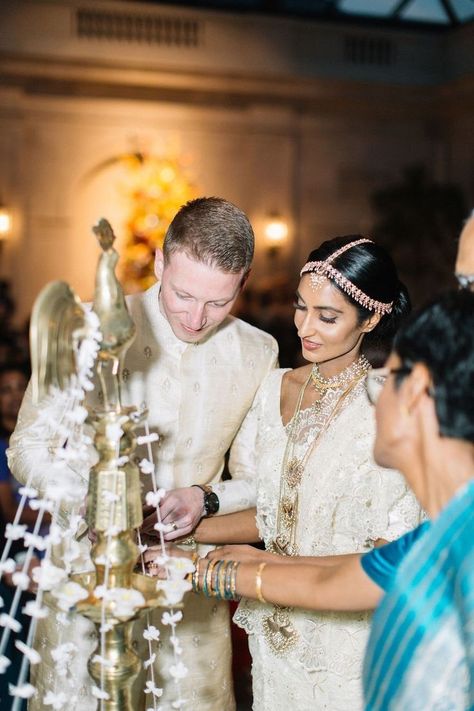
[154, 188]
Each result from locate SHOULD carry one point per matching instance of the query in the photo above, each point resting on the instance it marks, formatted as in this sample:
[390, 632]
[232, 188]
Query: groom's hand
[180, 508]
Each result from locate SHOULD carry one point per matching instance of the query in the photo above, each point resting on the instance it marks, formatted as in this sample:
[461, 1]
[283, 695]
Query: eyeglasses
[465, 281]
[376, 378]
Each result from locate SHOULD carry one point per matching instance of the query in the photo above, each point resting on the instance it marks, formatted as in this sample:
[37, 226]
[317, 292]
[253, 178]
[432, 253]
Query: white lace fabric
[346, 503]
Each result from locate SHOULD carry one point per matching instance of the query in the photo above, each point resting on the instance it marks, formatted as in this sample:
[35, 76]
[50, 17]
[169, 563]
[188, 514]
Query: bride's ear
[370, 323]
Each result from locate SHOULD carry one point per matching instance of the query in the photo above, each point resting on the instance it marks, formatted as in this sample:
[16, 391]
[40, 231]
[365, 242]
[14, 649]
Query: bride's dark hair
[369, 267]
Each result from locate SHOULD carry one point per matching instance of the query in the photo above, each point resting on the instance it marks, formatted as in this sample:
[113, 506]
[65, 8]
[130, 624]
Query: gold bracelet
[258, 582]
[208, 574]
[233, 581]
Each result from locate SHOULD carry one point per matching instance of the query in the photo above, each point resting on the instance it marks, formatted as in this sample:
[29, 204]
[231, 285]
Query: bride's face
[327, 324]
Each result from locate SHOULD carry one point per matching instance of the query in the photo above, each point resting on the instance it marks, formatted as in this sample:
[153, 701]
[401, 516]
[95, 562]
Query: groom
[197, 369]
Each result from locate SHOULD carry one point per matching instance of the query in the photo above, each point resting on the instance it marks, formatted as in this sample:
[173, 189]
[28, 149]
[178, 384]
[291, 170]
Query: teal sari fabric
[420, 655]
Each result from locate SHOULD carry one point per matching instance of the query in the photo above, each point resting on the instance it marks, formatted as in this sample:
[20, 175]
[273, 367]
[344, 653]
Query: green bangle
[217, 591]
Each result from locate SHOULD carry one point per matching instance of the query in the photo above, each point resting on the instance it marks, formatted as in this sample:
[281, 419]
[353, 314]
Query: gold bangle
[233, 581]
[208, 574]
[258, 583]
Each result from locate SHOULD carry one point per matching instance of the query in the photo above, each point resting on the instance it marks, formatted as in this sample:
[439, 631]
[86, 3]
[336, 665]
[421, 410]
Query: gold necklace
[356, 369]
[278, 629]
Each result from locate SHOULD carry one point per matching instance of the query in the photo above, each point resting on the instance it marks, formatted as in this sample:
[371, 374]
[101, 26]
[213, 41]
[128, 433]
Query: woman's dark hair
[372, 270]
[441, 336]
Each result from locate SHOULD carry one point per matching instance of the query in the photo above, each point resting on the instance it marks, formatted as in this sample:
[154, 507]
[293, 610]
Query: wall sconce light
[5, 222]
[276, 233]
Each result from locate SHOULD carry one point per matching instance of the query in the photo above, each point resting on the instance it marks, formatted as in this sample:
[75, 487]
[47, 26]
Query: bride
[319, 492]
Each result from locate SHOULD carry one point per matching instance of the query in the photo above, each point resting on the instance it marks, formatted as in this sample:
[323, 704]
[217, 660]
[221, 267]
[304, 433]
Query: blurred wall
[298, 117]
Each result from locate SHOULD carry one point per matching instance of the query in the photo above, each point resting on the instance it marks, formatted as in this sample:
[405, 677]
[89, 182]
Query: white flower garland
[48, 577]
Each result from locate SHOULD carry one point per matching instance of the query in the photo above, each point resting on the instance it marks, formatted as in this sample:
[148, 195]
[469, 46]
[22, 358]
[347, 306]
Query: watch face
[211, 503]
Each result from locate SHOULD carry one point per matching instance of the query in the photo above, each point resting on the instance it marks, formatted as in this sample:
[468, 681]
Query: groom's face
[195, 297]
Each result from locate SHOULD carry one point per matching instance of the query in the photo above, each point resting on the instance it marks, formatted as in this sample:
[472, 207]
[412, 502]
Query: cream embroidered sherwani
[197, 396]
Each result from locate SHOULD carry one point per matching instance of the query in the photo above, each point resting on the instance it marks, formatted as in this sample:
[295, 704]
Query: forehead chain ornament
[321, 271]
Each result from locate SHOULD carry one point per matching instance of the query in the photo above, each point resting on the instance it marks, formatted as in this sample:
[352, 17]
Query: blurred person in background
[465, 258]
[13, 382]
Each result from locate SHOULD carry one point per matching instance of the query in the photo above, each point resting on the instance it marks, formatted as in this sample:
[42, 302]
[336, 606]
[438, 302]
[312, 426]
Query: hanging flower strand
[173, 588]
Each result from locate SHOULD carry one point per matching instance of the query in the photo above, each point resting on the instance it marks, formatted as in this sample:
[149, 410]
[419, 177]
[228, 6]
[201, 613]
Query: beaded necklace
[355, 370]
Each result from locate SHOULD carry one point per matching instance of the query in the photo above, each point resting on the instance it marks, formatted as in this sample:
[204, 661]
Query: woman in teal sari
[421, 649]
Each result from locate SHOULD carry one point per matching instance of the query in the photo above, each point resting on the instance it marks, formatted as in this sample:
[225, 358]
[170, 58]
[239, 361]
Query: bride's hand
[154, 552]
[241, 554]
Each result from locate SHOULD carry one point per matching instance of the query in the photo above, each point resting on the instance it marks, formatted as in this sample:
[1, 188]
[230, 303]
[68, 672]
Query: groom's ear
[159, 263]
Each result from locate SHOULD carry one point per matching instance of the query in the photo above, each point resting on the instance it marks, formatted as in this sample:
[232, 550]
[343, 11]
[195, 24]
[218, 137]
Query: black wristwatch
[211, 500]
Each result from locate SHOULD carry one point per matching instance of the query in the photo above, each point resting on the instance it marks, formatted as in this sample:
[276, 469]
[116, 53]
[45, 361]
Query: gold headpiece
[322, 270]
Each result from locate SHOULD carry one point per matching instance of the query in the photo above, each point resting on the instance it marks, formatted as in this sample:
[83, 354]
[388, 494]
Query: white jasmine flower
[21, 580]
[47, 576]
[25, 691]
[8, 566]
[147, 439]
[63, 655]
[28, 491]
[171, 618]
[179, 567]
[99, 693]
[120, 461]
[68, 594]
[100, 591]
[9, 622]
[31, 654]
[151, 633]
[126, 601]
[37, 542]
[163, 527]
[78, 415]
[153, 498]
[146, 467]
[148, 662]
[57, 701]
[179, 704]
[33, 609]
[4, 664]
[15, 532]
[173, 590]
[150, 688]
[178, 671]
[142, 547]
[98, 659]
[176, 645]
[42, 505]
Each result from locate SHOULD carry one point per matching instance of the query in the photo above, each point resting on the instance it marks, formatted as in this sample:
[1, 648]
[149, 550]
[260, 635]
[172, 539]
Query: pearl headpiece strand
[322, 270]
